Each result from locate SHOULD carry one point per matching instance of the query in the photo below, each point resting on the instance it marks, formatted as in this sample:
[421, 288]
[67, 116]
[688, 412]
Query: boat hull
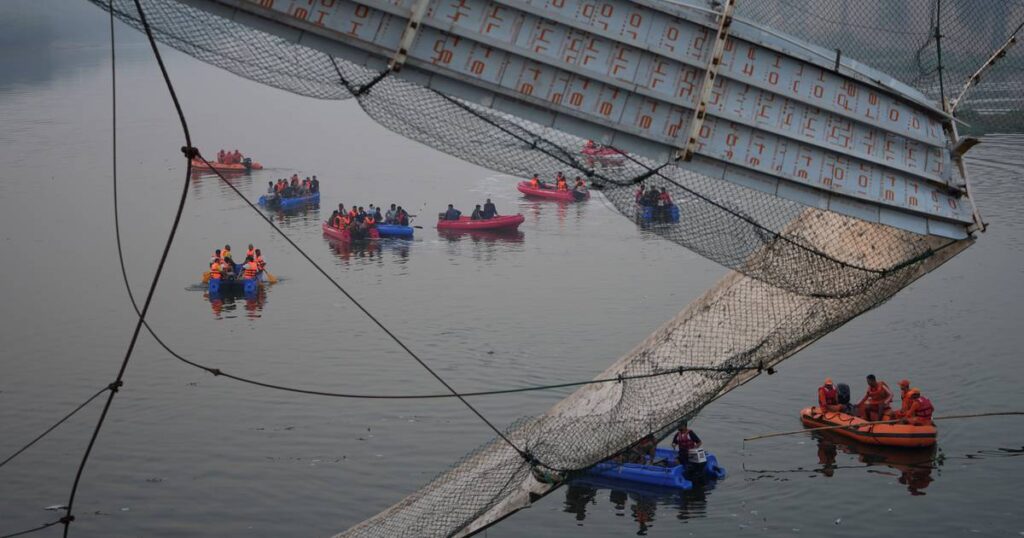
[289, 203]
[895, 435]
[672, 476]
[394, 230]
[345, 235]
[552, 194]
[505, 222]
[239, 285]
[223, 167]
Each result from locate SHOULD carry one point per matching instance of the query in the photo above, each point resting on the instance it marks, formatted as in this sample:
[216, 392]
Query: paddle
[270, 277]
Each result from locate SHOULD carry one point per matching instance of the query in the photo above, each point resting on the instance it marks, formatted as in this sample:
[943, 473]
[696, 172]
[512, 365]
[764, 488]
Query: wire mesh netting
[800, 272]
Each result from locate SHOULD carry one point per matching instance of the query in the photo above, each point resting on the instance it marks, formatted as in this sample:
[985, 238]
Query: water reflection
[533, 209]
[348, 251]
[912, 467]
[225, 303]
[204, 180]
[482, 236]
[643, 502]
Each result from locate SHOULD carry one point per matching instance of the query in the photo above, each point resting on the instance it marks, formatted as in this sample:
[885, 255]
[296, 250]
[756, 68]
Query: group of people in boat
[485, 212]
[358, 221]
[230, 157]
[223, 266]
[659, 199]
[876, 404]
[685, 441]
[561, 183]
[285, 188]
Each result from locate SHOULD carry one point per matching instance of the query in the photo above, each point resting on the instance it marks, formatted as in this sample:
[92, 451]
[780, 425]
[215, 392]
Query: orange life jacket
[879, 394]
[922, 409]
[215, 271]
[535, 183]
[368, 220]
[260, 264]
[827, 395]
[250, 252]
[562, 186]
[250, 271]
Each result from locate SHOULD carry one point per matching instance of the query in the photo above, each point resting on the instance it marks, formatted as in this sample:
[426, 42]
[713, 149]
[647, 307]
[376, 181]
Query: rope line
[39, 528]
[58, 423]
[160, 266]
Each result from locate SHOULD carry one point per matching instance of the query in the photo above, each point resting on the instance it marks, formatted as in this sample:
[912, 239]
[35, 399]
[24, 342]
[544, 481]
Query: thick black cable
[34, 529]
[58, 423]
[163, 258]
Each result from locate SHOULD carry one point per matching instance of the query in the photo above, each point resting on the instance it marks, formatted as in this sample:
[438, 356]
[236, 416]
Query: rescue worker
[216, 271]
[490, 211]
[236, 157]
[452, 213]
[249, 270]
[535, 182]
[250, 252]
[560, 183]
[685, 440]
[225, 254]
[261, 264]
[876, 400]
[828, 397]
[904, 398]
[921, 409]
[220, 156]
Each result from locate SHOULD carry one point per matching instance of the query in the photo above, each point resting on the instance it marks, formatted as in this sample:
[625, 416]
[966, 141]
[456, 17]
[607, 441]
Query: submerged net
[799, 272]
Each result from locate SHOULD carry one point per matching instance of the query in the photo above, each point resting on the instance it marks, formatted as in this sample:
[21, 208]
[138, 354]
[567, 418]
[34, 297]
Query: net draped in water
[800, 272]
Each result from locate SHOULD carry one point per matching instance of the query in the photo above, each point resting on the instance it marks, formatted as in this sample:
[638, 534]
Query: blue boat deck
[670, 475]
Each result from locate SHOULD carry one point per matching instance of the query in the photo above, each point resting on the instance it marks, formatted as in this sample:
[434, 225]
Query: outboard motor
[844, 397]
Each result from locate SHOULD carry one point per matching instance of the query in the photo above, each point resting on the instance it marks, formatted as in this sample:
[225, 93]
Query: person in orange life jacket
[535, 182]
[261, 265]
[685, 440]
[236, 157]
[220, 156]
[333, 221]
[250, 251]
[904, 385]
[876, 400]
[560, 183]
[249, 269]
[216, 271]
[490, 211]
[828, 397]
[921, 409]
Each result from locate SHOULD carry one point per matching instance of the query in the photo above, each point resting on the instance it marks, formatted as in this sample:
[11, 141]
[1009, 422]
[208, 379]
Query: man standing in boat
[686, 440]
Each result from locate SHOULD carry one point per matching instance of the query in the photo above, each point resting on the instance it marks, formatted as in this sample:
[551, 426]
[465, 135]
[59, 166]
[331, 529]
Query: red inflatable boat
[551, 193]
[225, 167]
[344, 235]
[505, 222]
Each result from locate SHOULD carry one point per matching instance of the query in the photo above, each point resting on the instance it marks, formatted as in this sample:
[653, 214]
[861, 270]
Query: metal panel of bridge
[784, 117]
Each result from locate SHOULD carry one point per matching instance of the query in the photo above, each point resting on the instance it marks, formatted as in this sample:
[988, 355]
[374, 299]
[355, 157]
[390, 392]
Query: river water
[187, 454]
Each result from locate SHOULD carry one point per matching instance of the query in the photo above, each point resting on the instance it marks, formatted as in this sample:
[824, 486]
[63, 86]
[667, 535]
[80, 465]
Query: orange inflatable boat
[244, 166]
[899, 435]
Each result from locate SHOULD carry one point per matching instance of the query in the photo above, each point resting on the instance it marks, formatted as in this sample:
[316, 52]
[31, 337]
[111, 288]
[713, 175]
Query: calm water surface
[186, 454]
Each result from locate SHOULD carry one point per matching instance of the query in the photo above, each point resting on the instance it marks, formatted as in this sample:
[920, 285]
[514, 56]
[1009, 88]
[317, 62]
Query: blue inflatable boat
[394, 230]
[233, 285]
[670, 476]
[649, 214]
[275, 202]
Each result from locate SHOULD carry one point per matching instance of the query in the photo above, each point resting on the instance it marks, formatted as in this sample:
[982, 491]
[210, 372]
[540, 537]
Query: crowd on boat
[561, 183]
[486, 212]
[230, 157]
[284, 188]
[914, 409]
[224, 267]
[658, 199]
[360, 223]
